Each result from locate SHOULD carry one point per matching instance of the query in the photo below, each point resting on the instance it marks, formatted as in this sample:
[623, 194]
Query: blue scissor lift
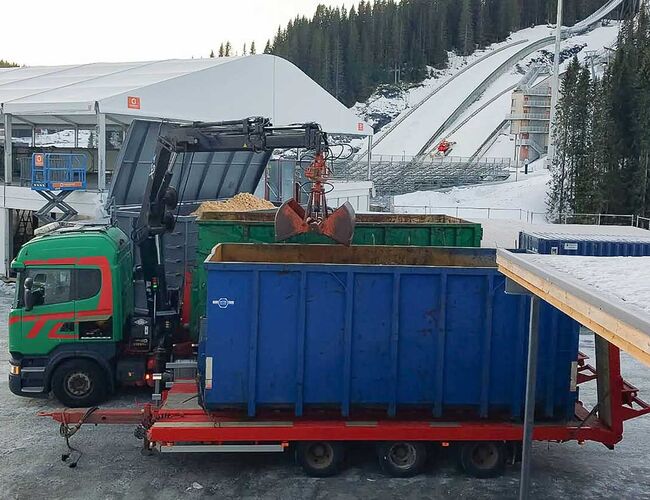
[62, 172]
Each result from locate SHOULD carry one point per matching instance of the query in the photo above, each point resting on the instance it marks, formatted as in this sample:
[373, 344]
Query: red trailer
[177, 423]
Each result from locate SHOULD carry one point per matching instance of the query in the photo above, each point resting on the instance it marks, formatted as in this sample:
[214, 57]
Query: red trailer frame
[178, 423]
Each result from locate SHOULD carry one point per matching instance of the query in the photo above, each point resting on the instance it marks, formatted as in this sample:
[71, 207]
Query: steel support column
[369, 157]
[531, 385]
[101, 151]
[7, 239]
[8, 129]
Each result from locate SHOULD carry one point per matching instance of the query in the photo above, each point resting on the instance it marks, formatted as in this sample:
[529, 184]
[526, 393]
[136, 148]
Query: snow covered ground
[514, 200]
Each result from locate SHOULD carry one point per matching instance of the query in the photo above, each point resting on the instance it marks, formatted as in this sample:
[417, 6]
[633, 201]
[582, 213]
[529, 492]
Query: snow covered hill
[406, 120]
[520, 198]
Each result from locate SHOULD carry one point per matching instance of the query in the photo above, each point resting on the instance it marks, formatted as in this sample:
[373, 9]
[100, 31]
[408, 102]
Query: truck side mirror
[28, 297]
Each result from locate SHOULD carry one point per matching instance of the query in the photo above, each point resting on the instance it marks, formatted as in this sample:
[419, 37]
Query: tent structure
[114, 94]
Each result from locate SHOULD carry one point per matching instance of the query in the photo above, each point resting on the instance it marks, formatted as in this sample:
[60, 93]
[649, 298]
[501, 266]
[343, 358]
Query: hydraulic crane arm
[251, 134]
[157, 215]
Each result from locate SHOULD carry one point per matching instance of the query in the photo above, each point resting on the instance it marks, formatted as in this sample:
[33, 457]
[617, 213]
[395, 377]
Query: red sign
[38, 160]
[360, 126]
[133, 102]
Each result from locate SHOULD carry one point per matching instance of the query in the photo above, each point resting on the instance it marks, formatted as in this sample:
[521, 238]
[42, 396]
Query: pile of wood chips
[242, 202]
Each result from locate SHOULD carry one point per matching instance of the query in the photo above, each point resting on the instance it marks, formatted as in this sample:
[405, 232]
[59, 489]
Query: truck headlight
[15, 370]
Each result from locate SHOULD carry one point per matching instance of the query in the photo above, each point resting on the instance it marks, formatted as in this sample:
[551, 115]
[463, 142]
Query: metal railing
[529, 216]
[58, 171]
[544, 91]
[529, 116]
[535, 145]
[538, 103]
[501, 213]
[531, 129]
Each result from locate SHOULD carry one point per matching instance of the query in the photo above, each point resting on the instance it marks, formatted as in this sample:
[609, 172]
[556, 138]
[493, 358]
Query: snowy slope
[528, 194]
[470, 137]
[416, 128]
[414, 132]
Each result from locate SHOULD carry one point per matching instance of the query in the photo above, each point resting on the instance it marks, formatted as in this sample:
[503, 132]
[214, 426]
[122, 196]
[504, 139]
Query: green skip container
[370, 229]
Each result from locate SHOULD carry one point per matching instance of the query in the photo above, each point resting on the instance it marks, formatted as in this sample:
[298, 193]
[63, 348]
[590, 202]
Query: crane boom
[157, 215]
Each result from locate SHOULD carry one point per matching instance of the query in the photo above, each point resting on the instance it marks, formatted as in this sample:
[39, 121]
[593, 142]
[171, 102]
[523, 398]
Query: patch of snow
[625, 279]
[513, 199]
[503, 147]
[7, 288]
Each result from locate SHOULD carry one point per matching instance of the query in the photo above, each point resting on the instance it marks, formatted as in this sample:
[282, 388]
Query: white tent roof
[188, 90]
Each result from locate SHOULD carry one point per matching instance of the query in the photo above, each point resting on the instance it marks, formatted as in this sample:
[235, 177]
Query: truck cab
[71, 313]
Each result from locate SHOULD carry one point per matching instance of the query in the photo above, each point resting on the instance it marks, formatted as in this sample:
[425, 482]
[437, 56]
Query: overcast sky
[51, 32]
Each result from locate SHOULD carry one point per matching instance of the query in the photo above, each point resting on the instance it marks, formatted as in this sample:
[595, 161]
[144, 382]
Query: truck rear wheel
[483, 459]
[320, 458]
[79, 383]
[402, 458]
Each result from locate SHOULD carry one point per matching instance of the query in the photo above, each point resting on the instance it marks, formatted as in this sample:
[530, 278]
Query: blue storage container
[597, 245]
[303, 326]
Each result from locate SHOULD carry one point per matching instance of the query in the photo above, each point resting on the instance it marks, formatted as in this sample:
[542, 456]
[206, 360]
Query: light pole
[555, 83]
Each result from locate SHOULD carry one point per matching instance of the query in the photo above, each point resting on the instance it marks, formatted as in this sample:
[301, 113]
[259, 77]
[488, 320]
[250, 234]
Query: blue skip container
[301, 327]
[594, 245]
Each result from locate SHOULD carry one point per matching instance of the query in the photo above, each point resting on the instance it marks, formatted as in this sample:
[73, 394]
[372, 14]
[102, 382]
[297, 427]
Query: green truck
[99, 306]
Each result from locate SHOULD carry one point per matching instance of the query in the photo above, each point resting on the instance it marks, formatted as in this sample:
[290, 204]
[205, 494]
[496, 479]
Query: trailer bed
[178, 423]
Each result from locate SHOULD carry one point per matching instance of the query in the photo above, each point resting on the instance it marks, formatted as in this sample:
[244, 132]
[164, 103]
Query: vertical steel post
[531, 385]
[369, 157]
[101, 151]
[8, 126]
[555, 83]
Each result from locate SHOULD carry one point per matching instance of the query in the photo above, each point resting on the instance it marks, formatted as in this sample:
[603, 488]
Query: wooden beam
[626, 337]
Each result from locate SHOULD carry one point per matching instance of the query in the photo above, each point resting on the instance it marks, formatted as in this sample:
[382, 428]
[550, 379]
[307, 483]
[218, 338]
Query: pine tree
[253, 49]
[560, 200]
[221, 51]
[244, 50]
[228, 49]
[212, 54]
[466, 29]
[267, 47]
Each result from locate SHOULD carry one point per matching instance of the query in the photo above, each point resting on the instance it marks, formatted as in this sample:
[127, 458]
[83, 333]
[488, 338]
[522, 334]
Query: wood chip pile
[242, 202]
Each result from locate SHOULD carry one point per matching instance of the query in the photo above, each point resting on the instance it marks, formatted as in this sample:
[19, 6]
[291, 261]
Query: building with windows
[530, 117]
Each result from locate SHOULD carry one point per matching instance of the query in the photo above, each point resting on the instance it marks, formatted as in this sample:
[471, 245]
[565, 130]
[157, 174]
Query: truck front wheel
[79, 383]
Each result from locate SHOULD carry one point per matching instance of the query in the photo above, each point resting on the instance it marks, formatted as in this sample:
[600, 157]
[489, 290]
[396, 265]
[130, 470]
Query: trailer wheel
[402, 458]
[79, 383]
[483, 459]
[320, 458]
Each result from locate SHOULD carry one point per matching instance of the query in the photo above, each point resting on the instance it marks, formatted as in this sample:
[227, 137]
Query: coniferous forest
[350, 52]
[603, 133]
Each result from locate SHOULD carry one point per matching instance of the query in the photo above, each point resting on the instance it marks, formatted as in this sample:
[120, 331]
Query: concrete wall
[358, 193]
